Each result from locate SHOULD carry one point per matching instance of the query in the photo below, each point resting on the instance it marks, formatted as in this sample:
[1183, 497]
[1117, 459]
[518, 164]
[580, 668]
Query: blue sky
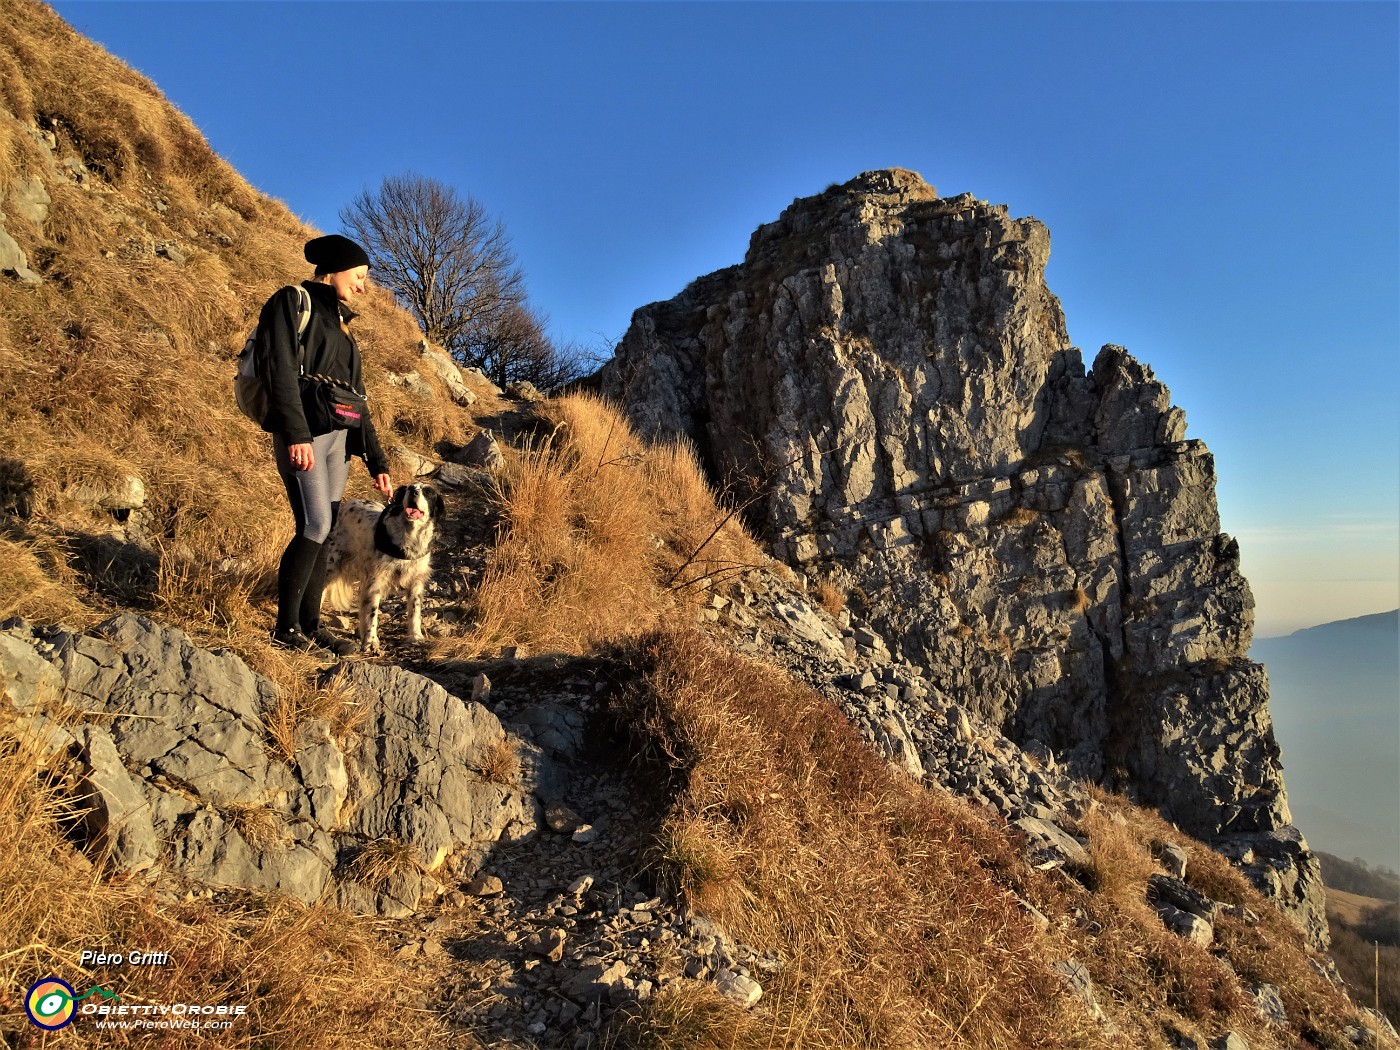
[1219, 180]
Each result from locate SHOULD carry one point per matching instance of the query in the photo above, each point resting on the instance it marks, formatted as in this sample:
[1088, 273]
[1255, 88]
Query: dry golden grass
[1133, 958]
[1349, 908]
[119, 125]
[300, 699]
[342, 706]
[378, 862]
[500, 762]
[295, 699]
[704, 540]
[695, 1016]
[888, 904]
[831, 597]
[892, 907]
[1118, 865]
[261, 827]
[30, 587]
[604, 536]
[1020, 518]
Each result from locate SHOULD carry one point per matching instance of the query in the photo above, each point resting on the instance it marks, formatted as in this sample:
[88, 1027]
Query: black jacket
[329, 352]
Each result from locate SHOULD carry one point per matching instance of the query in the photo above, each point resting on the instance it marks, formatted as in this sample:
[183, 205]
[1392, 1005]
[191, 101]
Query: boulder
[739, 988]
[446, 369]
[1268, 1003]
[174, 767]
[14, 263]
[29, 685]
[28, 198]
[121, 492]
[1163, 889]
[594, 980]
[1051, 844]
[1076, 977]
[523, 390]
[1186, 924]
[115, 813]
[456, 476]
[548, 943]
[1174, 859]
[417, 769]
[417, 465]
[483, 452]
[413, 383]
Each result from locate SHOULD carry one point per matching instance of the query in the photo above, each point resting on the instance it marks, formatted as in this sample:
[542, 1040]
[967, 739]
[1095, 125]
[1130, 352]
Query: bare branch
[448, 262]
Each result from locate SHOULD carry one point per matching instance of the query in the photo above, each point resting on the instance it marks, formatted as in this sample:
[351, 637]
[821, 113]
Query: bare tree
[517, 347]
[439, 253]
[450, 264]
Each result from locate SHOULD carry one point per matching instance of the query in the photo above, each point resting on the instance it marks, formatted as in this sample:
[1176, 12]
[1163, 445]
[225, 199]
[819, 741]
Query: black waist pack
[332, 405]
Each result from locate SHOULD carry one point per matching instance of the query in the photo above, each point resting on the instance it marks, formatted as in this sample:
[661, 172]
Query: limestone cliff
[889, 378]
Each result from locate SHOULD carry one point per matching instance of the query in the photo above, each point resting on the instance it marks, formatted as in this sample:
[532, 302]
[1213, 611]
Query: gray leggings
[315, 494]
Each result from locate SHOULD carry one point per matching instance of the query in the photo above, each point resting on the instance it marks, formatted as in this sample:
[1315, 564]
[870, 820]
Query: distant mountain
[1335, 698]
[1353, 878]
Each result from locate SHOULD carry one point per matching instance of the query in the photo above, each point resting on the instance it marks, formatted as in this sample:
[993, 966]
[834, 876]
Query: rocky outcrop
[169, 759]
[888, 377]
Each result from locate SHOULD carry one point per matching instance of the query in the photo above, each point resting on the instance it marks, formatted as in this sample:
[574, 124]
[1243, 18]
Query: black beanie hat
[333, 253]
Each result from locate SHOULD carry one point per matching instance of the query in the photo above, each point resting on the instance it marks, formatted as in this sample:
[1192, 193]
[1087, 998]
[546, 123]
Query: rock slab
[175, 768]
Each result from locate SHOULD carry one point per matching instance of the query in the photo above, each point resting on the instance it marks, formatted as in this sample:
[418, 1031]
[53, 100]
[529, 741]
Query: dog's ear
[396, 500]
[437, 505]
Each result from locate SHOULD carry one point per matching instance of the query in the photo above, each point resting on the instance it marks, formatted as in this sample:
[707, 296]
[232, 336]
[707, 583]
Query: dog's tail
[340, 594]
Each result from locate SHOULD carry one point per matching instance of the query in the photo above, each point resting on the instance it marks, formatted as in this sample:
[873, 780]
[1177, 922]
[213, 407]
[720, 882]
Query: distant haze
[1335, 699]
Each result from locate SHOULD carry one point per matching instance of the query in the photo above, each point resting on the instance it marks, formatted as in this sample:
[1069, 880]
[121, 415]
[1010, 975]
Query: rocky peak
[890, 380]
[875, 201]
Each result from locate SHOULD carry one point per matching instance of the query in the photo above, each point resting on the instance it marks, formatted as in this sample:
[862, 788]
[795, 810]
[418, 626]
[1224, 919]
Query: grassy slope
[892, 907]
[120, 362]
[1350, 907]
[1365, 949]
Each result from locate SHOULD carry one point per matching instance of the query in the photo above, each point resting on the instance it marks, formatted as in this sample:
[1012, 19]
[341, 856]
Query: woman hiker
[317, 424]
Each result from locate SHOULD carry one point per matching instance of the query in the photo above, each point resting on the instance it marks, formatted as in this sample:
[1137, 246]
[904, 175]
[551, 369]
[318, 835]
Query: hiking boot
[323, 639]
[292, 638]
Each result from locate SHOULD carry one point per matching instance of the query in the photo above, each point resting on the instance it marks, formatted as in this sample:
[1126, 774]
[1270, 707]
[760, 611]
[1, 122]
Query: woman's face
[348, 283]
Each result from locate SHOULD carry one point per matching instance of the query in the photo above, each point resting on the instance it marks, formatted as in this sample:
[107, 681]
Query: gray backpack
[250, 384]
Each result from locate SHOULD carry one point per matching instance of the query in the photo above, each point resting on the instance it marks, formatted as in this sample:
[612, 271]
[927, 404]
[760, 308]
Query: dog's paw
[371, 645]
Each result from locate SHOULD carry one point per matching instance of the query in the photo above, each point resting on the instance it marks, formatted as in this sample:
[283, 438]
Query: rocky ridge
[888, 379]
[526, 891]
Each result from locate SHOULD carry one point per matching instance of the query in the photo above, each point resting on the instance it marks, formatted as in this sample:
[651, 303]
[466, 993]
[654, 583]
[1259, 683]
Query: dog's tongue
[412, 513]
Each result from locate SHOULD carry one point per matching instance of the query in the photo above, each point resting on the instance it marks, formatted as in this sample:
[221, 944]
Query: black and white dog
[382, 549]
